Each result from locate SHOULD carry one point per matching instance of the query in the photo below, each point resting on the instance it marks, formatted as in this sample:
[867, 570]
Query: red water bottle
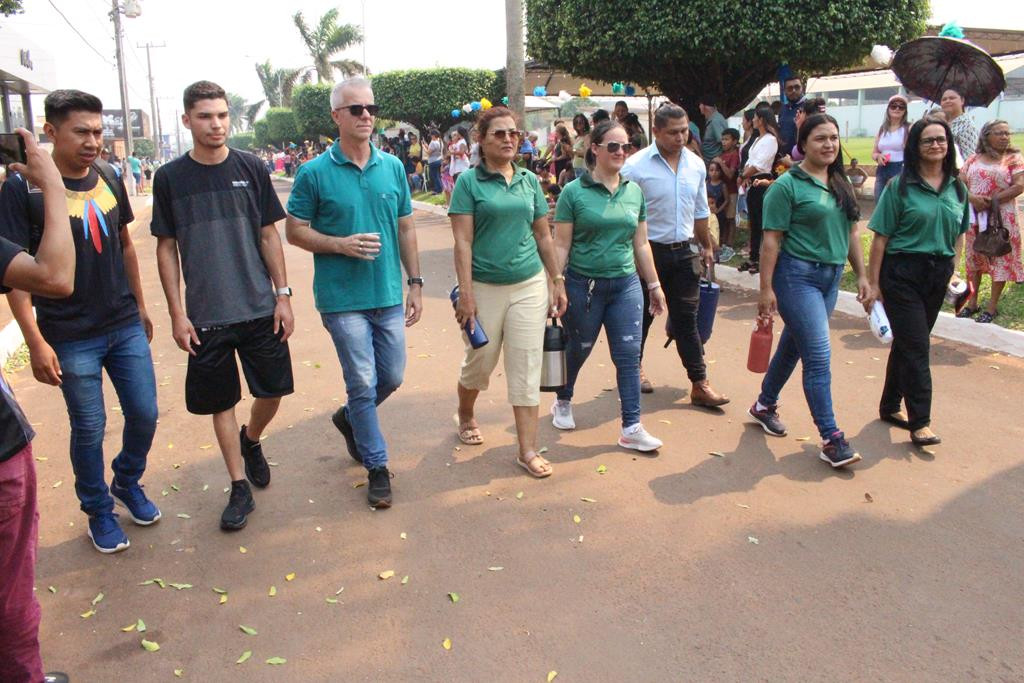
[760, 353]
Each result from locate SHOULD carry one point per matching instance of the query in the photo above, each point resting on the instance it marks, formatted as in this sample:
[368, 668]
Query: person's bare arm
[273, 255]
[645, 264]
[362, 245]
[408, 251]
[42, 357]
[563, 243]
[169, 268]
[462, 231]
[878, 244]
[855, 255]
[771, 243]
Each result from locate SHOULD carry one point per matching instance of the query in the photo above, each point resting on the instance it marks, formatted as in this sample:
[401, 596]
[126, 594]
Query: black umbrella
[931, 65]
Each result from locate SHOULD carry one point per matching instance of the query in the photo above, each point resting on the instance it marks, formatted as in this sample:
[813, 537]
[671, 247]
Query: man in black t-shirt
[216, 208]
[103, 325]
[50, 273]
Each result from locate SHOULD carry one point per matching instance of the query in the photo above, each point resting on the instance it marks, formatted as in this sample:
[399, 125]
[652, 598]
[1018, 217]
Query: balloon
[618, 88]
[630, 90]
[475, 106]
[485, 104]
[540, 91]
[881, 55]
[564, 95]
[504, 100]
[456, 113]
[585, 91]
[467, 107]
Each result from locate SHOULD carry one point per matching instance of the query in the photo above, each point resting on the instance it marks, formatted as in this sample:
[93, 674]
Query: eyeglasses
[614, 147]
[939, 141]
[507, 133]
[896, 106]
[1000, 133]
[357, 109]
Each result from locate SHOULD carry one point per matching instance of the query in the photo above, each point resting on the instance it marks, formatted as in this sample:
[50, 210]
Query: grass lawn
[429, 198]
[860, 148]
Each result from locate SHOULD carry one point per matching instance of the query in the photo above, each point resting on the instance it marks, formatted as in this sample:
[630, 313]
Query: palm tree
[325, 41]
[279, 83]
[242, 113]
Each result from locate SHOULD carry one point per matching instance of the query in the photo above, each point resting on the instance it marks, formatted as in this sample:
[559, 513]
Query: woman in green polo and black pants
[919, 225]
[502, 246]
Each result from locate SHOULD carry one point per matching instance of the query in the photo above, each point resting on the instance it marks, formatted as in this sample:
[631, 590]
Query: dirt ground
[758, 563]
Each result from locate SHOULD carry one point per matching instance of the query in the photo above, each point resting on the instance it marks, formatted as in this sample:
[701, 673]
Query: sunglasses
[614, 147]
[358, 109]
[939, 141]
[899, 107]
[507, 133]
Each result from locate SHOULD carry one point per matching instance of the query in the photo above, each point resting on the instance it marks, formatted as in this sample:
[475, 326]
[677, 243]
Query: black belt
[674, 246]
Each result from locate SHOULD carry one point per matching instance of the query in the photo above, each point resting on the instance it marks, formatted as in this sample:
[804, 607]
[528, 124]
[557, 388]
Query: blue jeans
[883, 174]
[617, 303]
[806, 294]
[434, 169]
[125, 355]
[371, 348]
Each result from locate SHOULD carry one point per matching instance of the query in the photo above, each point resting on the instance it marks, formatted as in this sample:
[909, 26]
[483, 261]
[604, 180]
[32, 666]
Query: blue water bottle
[477, 337]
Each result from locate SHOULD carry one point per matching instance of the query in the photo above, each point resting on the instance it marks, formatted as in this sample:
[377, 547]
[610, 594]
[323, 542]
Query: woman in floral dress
[996, 170]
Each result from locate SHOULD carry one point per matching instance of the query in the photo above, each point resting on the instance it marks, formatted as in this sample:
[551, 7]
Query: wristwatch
[414, 281]
[283, 291]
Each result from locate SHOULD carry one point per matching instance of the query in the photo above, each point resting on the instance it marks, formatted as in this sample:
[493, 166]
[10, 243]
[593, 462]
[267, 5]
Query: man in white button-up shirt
[672, 178]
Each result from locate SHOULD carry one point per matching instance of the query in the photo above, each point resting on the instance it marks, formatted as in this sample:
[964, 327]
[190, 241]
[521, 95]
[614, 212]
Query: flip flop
[533, 473]
[471, 436]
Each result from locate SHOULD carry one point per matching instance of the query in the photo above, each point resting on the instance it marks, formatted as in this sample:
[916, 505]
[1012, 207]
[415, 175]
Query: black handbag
[994, 241]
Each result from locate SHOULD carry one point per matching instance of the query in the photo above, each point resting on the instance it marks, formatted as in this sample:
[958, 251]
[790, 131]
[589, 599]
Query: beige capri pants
[513, 317]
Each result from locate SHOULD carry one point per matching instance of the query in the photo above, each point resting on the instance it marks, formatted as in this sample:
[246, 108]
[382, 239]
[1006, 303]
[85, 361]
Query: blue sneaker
[106, 533]
[141, 509]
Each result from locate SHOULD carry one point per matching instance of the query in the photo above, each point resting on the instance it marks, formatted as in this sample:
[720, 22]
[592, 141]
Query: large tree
[278, 84]
[327, 39]
[688, 48]
[426, 97]
[312, 107]
[242, 113]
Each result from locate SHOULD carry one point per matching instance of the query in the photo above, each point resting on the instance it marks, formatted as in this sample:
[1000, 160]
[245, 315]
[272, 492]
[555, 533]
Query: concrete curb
[948, 326]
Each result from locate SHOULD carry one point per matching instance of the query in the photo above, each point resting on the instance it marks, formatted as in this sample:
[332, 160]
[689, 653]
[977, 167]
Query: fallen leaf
[57, 483]
[40, 458]
[290, 576]
[149, 645]
[206, 487]
[994, 367]
[159, 582]
[219, 590]
[206, 447]
[275, 661]
[519, 496]
[753, 540]
[868, 498]
[338, 592]
[97, 599]
[588, 500]
[405, 579]
[576, 518]
[175, 487]
[552, 675]
[601, 469]
[128, 628]
[52, 589]
[358, 484]
[140, 626]
[245, 657]
[222, 600]
[542, 450]
[247, 630]
[86, 615]
[164, 492]
[385, 575]
[333, 601]
[242, 549]
[183, 515]
[803, 438]
[273, 591]
[741, 505]
[494, 569]
[180, 586]
[446, 643]
[179, 672]
[403, 536]
[454, 597]
[667, 422]
[717, 454]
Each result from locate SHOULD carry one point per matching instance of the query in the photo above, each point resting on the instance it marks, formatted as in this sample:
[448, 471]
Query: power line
[84, 39]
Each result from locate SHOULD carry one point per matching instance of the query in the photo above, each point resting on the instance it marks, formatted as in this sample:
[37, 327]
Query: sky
[222, 40]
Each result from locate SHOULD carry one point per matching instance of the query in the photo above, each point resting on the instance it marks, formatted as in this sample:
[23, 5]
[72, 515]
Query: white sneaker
[637, 438]
[561, 415]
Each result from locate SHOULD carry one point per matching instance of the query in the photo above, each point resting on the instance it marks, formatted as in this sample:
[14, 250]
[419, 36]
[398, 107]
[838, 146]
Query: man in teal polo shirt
[351, 208]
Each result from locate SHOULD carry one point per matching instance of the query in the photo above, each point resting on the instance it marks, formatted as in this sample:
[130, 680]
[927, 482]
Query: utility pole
[115, 14]
[515, 60]
[157, 133]
[177, 130]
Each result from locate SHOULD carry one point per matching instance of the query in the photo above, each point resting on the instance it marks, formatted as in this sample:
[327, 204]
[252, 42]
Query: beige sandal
[526, 465]
[471, 436]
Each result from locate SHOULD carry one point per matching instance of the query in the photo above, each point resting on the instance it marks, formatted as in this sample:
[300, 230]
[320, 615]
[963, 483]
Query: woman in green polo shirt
[502, 247]
[919, 225]
[810, 229]
[601, 231]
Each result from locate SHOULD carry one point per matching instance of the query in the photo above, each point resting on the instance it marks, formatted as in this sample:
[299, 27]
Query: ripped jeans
[617, 304]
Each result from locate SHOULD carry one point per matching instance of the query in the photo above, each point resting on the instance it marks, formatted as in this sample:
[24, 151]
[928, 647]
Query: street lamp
[131, 9]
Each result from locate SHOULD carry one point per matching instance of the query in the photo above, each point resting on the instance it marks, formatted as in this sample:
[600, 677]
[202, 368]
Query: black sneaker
[768, 419]
[379, 491]
[838, 452]
[240, 504]
[340, 420]
[256, 468]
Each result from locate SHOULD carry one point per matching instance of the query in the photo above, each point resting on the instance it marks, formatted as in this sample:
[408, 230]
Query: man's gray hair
[348, 83]
[667, 112]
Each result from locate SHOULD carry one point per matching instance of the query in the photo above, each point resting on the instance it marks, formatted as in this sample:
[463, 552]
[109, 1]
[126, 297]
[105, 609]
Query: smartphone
[12, 149]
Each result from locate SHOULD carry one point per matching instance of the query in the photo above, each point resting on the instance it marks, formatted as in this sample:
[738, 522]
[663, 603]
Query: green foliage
[326, 40]
[9, 7]
[278, 84]
[278, 128]
[144, 148]
[687, 48]
[312, 107]
[426, 97]
[244, 141]
[569, 109]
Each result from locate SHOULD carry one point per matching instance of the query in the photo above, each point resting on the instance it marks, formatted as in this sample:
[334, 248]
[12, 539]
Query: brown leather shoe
[703, 395]
[645, 384]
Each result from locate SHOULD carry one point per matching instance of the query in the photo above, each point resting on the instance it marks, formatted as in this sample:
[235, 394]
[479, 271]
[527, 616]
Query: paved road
[762, 564]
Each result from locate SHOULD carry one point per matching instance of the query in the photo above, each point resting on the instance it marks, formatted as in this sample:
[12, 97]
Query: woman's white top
[762, 153]
[892, 142]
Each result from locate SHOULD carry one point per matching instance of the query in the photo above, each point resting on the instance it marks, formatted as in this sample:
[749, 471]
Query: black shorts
[212, 384]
